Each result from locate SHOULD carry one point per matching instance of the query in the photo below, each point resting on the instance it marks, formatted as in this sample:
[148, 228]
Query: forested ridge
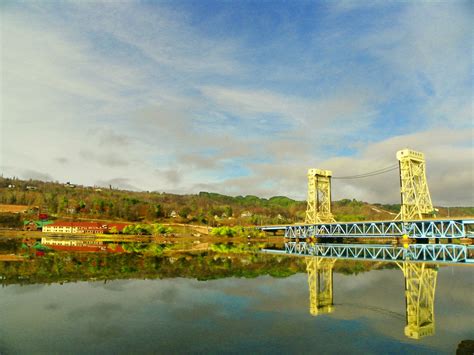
[207, 208]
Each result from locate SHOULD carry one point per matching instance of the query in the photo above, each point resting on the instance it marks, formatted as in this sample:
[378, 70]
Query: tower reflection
[320, 272]
[420, 286]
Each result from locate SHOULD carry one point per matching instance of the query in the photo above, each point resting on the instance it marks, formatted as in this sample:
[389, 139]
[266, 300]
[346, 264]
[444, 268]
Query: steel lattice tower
[319, 197]
[420, 286]
[415, 196]
[320, 272]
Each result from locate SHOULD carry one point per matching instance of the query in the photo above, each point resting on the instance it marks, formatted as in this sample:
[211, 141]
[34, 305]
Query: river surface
[220, 303]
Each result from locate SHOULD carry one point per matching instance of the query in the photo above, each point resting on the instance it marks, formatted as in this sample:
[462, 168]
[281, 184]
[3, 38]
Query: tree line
[207, 208]
[61, 200]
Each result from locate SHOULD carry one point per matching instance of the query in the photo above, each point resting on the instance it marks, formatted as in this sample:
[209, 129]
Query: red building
[84, 227]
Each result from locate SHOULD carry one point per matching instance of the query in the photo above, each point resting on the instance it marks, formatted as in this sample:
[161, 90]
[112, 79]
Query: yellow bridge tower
[319, 197]
[320, 272]
[420, 286]
[415, 196]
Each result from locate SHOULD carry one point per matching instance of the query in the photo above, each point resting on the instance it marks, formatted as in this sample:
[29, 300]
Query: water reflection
[153, 301]
[420, 285]
[75, 259]
[320, 284]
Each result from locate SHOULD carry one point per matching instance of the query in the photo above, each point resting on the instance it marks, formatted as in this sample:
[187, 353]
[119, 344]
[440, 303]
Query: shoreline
[188, 237]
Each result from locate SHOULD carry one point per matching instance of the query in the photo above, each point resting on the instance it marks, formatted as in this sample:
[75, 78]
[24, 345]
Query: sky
[238, 97]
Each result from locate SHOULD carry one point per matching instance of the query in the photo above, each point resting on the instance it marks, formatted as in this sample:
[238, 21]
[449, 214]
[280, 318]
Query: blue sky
[238, 97]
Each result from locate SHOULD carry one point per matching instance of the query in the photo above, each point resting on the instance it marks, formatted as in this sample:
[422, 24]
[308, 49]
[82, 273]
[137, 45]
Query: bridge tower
[415, 196]
[320, 272]
[420, 286]
[318, 209]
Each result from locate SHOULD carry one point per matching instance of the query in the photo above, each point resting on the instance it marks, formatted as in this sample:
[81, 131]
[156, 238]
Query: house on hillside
[173, 214]
[246, 214]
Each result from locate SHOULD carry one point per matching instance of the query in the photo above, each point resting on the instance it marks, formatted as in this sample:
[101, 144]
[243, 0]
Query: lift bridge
[437, 239]
[427, 241]
[299, 240]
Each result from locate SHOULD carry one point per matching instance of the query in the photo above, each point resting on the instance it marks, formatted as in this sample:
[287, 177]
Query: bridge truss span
[443, 229]
[439, 253]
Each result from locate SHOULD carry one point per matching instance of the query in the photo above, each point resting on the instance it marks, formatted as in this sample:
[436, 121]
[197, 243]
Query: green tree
[159, 213]
[101, 206]
[184, 212]
[160, 229]
[64, 204]
[225, 231]
[228, 211]
[143, 229]
[130, 229]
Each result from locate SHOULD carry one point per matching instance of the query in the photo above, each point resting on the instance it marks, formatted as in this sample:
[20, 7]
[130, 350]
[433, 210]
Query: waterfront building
[83, 227]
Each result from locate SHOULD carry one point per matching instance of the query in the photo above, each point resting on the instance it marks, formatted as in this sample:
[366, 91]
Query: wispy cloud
[184, 98]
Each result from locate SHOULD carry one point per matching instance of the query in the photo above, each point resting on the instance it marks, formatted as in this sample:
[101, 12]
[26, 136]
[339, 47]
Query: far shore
[182, 237]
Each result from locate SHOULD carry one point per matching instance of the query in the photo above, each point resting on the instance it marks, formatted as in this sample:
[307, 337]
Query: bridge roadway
[438, 253]
[431, 228]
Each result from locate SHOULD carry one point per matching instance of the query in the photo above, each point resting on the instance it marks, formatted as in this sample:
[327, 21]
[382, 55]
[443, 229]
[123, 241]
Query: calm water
[42, 313]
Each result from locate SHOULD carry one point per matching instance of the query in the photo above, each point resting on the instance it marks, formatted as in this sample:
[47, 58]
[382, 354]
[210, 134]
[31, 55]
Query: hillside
[213, 209]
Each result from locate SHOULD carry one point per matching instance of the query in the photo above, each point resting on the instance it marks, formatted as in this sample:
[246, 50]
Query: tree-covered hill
[70, 201]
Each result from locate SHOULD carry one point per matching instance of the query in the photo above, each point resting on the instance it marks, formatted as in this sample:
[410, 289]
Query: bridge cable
[369, 174]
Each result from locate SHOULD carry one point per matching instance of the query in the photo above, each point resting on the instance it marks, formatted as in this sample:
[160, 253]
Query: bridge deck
[440, 228]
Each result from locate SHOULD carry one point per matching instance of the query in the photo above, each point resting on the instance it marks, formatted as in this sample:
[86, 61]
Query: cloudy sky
[238, 97]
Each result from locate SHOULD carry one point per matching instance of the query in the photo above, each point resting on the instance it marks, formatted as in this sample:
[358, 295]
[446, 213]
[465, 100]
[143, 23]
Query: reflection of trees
[75, 266]
[154, 260]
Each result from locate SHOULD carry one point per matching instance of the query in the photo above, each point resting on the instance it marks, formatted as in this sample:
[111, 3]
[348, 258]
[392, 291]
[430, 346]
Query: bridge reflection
[420, 285]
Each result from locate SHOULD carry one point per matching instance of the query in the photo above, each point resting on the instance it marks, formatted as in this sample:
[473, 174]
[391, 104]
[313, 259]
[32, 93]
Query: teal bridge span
[420, 229]
[298, 240]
